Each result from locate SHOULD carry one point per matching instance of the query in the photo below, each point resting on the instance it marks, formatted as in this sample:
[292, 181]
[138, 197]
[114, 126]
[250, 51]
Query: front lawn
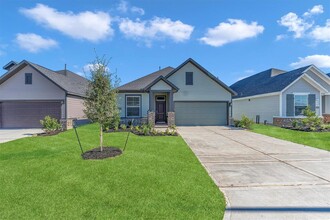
[155, 178]
[313, 139]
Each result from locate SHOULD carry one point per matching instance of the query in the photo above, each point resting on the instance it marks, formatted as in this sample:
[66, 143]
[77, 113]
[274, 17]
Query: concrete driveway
[13, 134]
[263, 177]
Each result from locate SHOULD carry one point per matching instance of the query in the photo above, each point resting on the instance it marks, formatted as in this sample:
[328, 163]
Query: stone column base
[66, 124]
[151, 118]
[170, 118]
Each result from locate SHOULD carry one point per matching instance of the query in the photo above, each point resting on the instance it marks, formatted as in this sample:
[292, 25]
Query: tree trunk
[101, 137]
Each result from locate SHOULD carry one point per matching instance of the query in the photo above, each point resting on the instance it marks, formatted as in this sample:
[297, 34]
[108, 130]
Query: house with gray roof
[278, 96]
[185, 95]
[29, 92]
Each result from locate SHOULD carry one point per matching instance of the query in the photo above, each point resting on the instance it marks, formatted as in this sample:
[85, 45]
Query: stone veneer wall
[170, 118]
[278, 121]
[151, 118]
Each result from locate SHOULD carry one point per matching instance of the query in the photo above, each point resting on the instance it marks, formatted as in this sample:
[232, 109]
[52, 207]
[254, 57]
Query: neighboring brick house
[279, 97]
[186, 95]
[29, 92]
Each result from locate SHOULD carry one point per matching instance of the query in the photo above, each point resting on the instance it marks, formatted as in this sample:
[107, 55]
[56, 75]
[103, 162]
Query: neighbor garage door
[28, 114]
[201, 113]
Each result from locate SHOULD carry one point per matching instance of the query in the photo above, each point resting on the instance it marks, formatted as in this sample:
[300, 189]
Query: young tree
[101, 102]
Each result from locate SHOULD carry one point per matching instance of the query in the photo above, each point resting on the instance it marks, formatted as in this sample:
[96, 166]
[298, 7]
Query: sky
[232, 39]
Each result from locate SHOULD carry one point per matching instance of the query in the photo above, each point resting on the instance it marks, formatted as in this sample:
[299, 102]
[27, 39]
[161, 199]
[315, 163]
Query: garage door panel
[28, 114]
[201, 113]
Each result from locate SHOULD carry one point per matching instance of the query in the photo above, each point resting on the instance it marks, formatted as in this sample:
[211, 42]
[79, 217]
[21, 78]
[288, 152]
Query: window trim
[26, 81]
[140, 106]
[294, 102]
[192, 78]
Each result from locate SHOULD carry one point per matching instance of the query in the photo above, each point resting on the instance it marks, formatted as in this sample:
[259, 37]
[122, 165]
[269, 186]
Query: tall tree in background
[101, 102]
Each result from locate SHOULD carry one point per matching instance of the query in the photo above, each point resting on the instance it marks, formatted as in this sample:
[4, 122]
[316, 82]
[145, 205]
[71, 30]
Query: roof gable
[161, 78]
[68, 81]
[203, 70]
[140, 84]
[263, 82]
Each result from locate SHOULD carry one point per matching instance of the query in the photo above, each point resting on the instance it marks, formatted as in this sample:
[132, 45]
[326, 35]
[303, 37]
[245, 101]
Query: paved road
[13, 134]
[263, 177]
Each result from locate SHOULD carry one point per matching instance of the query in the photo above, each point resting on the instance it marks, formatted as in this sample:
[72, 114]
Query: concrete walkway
[13, 134]
[263, 177]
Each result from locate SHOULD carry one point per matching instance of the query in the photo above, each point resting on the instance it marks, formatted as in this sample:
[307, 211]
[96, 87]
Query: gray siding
[75, 107]
[326, 104]
[301, 86]
[319, 80]
[145, 103]
[161, 85]
[40, 89]
[266, 107]
[203, 88]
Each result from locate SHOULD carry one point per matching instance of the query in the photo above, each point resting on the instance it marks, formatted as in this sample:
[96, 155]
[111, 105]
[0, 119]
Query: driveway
[263, 177]
[13, 134]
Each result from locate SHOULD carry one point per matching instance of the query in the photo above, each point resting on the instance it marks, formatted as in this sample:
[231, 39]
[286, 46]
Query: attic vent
[276, 72]
[9, 65]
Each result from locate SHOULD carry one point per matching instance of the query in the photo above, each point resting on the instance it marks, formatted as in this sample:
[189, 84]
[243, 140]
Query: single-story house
[278, 96]
[186, 95]
[29, 92]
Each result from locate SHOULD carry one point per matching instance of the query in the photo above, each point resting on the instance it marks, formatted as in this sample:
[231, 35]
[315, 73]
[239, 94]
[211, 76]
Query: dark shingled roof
[262, 83]
[70, 82]
[141, 83]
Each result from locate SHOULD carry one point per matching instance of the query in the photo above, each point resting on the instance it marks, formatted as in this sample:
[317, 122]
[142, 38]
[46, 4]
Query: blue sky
[232, 39]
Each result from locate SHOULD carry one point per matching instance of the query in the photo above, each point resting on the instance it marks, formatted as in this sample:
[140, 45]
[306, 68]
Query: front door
[160, 109]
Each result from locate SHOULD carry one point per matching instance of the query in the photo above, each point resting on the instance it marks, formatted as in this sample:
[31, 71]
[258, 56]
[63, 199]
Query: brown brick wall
[326, 118]
[278, 121]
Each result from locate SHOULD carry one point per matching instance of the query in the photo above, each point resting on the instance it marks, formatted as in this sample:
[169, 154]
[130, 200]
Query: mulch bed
[49, 133]
[97, 154]
[141, 133]
[306, 129]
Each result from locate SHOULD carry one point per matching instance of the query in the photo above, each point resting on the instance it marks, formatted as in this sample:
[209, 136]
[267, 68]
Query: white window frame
[131, 96]
[294, 102]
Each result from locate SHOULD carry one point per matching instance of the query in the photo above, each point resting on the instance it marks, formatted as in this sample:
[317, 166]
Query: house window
[28, 78]
[189, 78]
[300, 104]
[133, 106]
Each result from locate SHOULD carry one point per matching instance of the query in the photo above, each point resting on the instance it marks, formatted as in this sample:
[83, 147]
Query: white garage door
[201, 113]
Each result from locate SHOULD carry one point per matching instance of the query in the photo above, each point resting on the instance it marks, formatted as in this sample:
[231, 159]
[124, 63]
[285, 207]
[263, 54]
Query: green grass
[155, 178]
[313, 139]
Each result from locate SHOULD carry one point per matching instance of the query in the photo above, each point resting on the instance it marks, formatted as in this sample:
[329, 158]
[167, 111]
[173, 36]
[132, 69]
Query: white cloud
[322, 61]
[137, 10]
[91, 26]
[124, 7]
[91, 67]
[295, 24]
[155, 29]
[281, 37]
[233, 30]
[321, 33]
[34, 43]
[317, 9]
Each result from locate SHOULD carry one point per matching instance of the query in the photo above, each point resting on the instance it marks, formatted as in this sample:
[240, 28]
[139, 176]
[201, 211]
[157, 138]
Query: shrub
[146, 128]
[312, 121]
[295, 123]
[245, 122]
[50, 124]
[123, 127]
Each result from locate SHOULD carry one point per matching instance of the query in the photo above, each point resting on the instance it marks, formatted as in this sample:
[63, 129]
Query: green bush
[295, 123]
[123, 127]
[50, 124]
[245, 122]
[312, 121]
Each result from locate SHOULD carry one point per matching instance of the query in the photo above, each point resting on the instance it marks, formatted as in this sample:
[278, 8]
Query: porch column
[171, 103]
[326, 108]
[151, 101]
